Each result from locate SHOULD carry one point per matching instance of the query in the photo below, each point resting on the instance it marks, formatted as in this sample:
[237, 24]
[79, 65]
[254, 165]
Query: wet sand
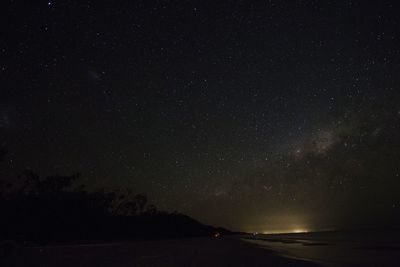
[225, 251]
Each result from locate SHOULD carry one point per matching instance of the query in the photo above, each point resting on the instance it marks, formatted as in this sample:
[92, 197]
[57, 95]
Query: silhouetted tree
[51, 184]
[125, 202]
[151, 210]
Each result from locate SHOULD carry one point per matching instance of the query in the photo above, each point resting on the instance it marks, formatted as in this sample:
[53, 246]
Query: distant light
[299, 231]
[288, 231]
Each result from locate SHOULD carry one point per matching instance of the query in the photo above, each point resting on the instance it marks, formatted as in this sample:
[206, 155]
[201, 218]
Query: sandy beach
[225, 251]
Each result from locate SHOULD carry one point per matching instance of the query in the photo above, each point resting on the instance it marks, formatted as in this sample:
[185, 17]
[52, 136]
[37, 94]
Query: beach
[335, 248]
[205, 251]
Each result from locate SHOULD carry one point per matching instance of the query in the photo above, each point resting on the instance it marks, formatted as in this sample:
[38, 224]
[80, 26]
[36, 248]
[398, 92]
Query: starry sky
[253, 115]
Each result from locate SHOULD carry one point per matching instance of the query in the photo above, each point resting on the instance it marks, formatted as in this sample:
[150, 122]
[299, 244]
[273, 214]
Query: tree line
[51, 209]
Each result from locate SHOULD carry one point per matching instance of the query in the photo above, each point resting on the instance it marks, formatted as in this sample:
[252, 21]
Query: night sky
[253, 115]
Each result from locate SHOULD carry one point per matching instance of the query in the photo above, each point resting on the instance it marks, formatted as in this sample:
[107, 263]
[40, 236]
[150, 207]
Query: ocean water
[336, 248]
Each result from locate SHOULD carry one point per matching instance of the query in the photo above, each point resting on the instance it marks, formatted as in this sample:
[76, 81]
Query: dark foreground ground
[226, 251]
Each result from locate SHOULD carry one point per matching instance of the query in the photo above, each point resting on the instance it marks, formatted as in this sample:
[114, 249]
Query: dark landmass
[50, 210]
